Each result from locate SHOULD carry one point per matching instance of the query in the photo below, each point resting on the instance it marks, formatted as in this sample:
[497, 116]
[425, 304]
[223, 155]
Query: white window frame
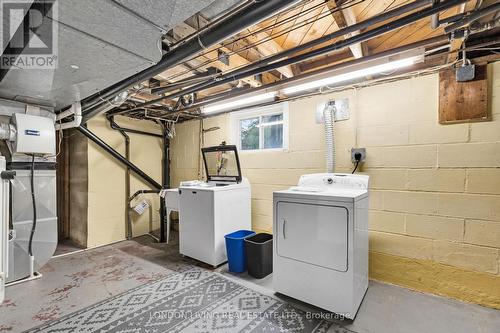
[236, 117]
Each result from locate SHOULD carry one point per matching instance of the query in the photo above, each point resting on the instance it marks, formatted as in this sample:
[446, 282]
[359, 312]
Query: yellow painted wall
[435, 190]
[106, 181]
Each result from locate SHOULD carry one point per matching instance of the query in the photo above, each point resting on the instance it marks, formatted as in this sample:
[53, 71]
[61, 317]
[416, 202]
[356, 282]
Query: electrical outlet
[361, 151]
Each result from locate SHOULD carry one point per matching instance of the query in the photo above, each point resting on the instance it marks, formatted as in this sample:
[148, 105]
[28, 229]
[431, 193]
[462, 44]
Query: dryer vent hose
[329, 117]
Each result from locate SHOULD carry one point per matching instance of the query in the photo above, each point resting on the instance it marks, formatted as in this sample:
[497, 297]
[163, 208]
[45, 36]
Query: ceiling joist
[267, 46]
[212, 57]
[456, 43]
[343, 18]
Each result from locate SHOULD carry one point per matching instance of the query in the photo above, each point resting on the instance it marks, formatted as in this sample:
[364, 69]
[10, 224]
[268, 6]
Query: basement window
[259, 129]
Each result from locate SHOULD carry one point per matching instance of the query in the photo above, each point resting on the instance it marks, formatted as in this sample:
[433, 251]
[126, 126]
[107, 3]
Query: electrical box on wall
[342, 111]
[358, 155]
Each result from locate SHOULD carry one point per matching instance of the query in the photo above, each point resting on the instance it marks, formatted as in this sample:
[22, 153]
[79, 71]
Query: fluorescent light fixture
[392, 65]
[265, 97]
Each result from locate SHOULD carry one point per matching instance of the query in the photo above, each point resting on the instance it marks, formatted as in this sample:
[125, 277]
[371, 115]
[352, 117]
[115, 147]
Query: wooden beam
[344, 18]
[456, 44]
[192, 25]
[325, 61]
[267, 48]
[183, 30]
[149, 97]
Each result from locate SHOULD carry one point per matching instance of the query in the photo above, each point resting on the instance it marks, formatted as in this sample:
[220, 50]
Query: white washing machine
[320, 253]
[209, 210]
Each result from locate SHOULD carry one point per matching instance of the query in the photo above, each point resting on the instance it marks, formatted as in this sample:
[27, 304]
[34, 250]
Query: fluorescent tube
[351, 75]
[265, 97]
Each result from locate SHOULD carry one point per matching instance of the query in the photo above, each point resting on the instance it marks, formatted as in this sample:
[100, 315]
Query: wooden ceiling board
[284, 21]
[294, 37]
[319, 27]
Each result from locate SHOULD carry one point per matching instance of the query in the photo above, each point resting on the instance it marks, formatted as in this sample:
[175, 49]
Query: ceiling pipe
[438, 40]
[250, 70]
[275, 86]
[473, 17]
[453, 18]
[94, 138]
[435, 19]
[180, 84]
[76, 111]
[115, 126]
[247, 17]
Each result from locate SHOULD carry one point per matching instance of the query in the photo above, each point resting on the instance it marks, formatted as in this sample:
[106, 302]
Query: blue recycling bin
[236, 253]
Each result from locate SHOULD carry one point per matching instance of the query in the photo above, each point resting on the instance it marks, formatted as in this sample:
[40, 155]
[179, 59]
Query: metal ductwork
[473, 17]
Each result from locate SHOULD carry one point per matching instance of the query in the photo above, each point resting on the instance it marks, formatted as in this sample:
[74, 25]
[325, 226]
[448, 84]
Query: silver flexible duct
[329, 117]
[7, 132]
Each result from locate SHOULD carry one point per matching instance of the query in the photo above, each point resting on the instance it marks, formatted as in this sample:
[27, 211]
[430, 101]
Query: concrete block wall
[435, 189]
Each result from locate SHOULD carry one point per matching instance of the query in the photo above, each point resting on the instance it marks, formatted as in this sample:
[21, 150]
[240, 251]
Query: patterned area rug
[196, 300]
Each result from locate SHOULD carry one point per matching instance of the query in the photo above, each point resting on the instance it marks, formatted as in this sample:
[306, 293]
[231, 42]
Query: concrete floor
[80, 279]
[67, 246]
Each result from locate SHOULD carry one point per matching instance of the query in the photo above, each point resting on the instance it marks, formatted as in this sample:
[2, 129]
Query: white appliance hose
[329, 118]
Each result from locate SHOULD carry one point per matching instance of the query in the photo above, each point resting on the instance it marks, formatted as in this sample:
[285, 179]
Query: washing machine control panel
[334, 180]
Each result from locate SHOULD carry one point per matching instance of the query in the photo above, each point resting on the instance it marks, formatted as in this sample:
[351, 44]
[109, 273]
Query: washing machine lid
[222, 163]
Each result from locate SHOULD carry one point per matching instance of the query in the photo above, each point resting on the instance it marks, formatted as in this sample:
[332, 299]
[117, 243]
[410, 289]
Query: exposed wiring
[265, 40]
[217, 20]
[252, 45]
[33, 225]
[387, 80]
[357, 86]
[275, 17]
[345, 5]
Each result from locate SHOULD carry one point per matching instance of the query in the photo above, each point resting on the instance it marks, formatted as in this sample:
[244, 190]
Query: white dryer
[320, 253]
